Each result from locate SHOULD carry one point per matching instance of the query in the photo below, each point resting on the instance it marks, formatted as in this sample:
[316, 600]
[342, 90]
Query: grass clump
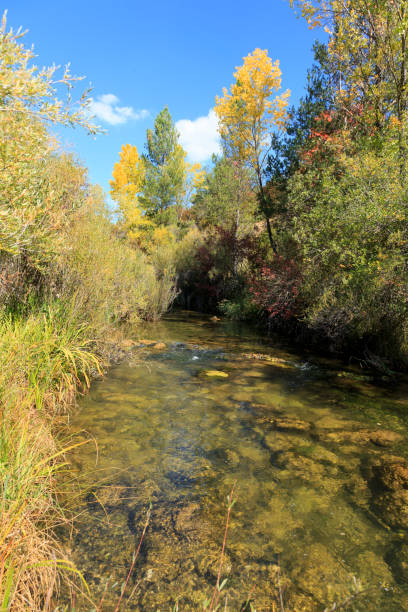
[45, 357]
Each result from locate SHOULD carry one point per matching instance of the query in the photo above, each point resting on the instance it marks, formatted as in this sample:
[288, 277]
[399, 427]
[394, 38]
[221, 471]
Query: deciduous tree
[249, 113]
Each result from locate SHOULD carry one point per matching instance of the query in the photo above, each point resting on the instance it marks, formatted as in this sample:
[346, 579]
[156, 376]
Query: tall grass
[45, 358]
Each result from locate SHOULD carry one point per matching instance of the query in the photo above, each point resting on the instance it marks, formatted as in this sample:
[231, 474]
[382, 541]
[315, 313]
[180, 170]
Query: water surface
[302, 437]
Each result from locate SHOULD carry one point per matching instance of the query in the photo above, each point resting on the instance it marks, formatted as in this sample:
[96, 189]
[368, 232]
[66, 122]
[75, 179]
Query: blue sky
[139, 56]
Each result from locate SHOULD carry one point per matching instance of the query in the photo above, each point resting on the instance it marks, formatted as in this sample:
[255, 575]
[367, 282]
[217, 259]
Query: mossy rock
[390, 475]
[392, 508]
[380, 437]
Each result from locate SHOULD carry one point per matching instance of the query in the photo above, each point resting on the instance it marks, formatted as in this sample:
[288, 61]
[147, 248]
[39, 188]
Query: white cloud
[106, 108]
[199, 137]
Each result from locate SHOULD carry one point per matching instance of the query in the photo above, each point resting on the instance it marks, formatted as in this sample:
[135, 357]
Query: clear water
[293, 432]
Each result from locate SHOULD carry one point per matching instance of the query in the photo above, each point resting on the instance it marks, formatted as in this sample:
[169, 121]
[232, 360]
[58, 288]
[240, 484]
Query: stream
[317, 451]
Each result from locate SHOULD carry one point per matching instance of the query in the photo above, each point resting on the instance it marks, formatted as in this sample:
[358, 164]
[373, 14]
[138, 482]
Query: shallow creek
[318, 452]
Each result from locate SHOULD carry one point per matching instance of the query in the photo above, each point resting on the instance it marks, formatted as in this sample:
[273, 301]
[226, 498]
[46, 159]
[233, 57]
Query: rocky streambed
[319, 454]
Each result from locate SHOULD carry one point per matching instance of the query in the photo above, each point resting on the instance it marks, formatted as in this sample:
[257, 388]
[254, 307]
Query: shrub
[112, 281]
[275, 288]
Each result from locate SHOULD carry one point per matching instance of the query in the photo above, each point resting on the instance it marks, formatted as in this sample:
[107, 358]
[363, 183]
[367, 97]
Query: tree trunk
[265, 212]
[271, 240]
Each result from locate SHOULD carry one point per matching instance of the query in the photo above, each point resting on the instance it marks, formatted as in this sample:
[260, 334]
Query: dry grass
[44, 359]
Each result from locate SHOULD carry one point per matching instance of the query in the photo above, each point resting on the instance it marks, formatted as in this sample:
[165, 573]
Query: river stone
[127, 343]
[277, 361]
[159, 346]
[392, 508]
[290, 424]
[362, 436]
[298, 465]
[320, 453]
[231, 457]
[382, 437]
[187, 518]
[388, 482]
[277, 441]
[392, 476]
[215, 374]
[317, 573]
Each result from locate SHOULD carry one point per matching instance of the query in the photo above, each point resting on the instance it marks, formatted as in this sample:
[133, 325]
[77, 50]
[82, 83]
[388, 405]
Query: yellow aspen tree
[128, 173]
[126, 186]
[249, 113]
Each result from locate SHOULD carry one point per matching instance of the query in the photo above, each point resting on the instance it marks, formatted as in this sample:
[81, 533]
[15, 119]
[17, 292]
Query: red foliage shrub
[275, 288]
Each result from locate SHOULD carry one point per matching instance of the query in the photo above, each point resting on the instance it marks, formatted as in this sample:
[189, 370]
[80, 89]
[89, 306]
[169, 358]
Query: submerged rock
[298, 465]
[127, 343]
[277, 361]
[392, 508]
[290, 424]
[391, 475]
[179, 345]
[159, 346]
[224, 455]
[187, 518]
[380, 437]
[215, 374]
[319, 574]
[389, 487]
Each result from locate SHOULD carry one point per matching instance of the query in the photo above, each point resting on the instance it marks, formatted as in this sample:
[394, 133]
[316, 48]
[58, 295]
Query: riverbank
[69, 285]
[46, 359]
[59, 329]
